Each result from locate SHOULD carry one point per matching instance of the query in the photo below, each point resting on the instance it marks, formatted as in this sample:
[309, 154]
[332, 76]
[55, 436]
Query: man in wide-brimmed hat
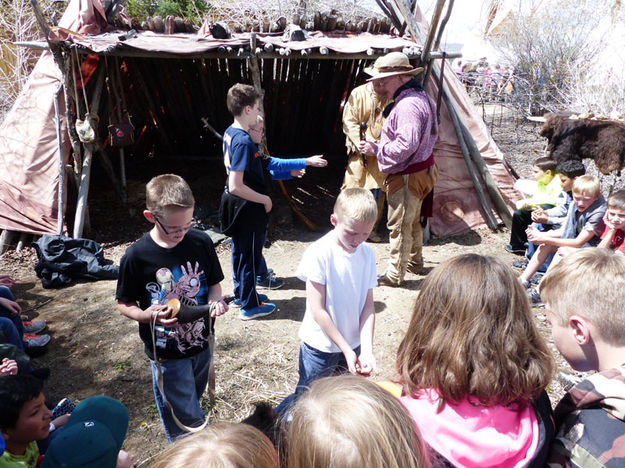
[362, 118]
[404, 152]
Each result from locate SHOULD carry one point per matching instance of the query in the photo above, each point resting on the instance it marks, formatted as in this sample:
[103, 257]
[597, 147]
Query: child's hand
[6, 280]
[539, 215]
[298, 173]
[367, 363]
[316, 161]
[60, 421]
[608, 222]
[352, 362]
[162, 313]
[8, 367]
[219, 308]
[534, 235]
[12, 306]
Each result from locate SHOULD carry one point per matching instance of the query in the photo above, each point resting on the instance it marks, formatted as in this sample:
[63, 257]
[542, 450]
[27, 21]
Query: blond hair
[472, 333]
[221, 445]
[591, 283]
[167, 191]
[349, 422]
[587, 185]
[356, 203]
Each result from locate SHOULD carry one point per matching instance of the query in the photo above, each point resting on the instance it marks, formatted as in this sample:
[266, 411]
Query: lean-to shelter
[174, 85]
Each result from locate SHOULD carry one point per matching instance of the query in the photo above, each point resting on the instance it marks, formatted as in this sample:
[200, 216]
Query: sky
[464, 19]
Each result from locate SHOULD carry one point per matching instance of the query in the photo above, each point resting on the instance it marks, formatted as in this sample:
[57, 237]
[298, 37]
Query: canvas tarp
[29, 148]
[456, 205]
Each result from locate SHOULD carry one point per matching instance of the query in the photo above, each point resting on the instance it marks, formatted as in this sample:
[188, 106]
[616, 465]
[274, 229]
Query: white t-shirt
[348, 278]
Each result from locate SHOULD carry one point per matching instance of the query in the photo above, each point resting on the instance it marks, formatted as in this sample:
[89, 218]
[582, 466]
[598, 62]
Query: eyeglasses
[172, 231]
[258, 130]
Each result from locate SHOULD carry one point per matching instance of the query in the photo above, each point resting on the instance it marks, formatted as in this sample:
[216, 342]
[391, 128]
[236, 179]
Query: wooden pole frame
[462, 132]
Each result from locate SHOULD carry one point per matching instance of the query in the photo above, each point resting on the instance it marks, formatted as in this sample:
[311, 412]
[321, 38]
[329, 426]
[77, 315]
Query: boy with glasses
[173, 261]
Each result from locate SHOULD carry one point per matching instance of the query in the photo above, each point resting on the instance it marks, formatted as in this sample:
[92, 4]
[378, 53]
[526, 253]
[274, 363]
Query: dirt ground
[95, 350]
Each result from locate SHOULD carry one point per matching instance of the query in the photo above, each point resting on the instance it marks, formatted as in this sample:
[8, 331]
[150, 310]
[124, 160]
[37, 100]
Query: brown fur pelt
[600, 140]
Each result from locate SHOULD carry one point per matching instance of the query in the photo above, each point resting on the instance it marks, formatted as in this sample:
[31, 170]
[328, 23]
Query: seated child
[92, 437]
[582, 227]
[613, 236]
[349, 422]
[548, 192]
[584, 295]
[473, 368]
[339, 270]
[173, 261]
[24, 419]
[553, 218]
[220, 445]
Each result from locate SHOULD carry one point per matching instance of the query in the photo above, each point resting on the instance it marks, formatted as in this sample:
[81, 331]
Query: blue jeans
[247, 251]
[184, 382]
[531, 248]
[12, 337]
[16, 319]
[313, 364]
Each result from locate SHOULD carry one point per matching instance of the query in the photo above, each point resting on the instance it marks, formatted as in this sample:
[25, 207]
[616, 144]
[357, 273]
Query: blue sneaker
[263, 309]
[261, 298]
[269, 282]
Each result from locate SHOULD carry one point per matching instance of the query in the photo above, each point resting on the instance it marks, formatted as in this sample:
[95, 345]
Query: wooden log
[59, 138]
[24, 240]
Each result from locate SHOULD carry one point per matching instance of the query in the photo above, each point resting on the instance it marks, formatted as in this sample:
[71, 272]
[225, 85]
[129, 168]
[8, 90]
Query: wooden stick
[59, 138]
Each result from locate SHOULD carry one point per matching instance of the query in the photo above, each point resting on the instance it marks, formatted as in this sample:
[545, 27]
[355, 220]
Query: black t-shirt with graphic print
[150, 274]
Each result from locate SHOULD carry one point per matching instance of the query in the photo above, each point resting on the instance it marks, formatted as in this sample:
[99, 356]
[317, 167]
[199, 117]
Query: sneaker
[534, 297]
[33, 327]
[31, 340]
[261, 298]
[514, 250]
[384, 280]
[263, 309]
[35, 345]
[270, 282]
[537, 278]
[520, 263]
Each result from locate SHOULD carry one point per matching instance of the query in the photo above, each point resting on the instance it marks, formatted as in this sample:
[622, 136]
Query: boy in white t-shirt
[339, 270]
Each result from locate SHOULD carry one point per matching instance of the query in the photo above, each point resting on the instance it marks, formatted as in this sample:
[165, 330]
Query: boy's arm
[542, 237]
[237, 187]
[578, 241]
[134, 312]
[367, 327]
[316, 299]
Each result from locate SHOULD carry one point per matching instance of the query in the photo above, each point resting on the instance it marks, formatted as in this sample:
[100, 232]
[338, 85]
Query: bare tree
[17, 24]
[547, 46]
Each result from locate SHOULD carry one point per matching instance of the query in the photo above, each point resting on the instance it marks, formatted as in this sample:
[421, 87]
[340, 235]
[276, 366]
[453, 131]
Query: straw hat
[393, 63]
